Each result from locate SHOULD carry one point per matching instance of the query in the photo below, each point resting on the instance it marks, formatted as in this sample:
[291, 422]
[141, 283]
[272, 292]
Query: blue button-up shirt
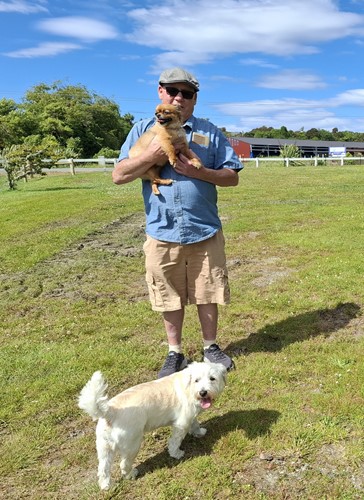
[186, 211]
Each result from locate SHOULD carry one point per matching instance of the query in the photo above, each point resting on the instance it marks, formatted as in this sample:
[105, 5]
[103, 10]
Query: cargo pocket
[222, 287]
[155, 296]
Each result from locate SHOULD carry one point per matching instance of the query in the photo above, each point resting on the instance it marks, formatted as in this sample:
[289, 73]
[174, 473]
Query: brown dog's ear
[178, 110]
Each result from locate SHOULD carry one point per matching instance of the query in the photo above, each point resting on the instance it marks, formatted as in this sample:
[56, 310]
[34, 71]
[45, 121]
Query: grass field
[73, 300]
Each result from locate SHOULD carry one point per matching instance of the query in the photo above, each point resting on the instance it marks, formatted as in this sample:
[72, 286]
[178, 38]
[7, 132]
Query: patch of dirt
[70, 274]
[269, 270]
[332, 462]
[278, 477]
[267, 473]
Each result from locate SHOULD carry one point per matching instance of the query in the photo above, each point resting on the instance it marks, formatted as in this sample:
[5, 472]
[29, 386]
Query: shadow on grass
[254, 423]
[275, 337]
[61, 188]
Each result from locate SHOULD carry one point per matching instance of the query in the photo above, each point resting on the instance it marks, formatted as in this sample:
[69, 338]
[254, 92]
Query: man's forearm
[223, 177]
[129, 169]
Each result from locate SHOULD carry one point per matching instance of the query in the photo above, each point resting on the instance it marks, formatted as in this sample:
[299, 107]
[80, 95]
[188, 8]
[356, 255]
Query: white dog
[175, 400]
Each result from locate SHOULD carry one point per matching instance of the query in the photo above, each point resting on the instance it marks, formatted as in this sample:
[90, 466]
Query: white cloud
[274, 27]
[22, 7]
[292, 80]
[297, 113]
[44, 50]
[259, 63]
[130, 57]
[83, 28]
[354, 97]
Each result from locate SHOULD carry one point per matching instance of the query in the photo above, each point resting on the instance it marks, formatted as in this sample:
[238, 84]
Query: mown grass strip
[73, 300]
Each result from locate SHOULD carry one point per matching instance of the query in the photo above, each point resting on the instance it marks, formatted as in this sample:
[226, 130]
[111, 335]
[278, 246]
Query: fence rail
[71, 162]
[257, 162]
[314, 161]
[101, 162]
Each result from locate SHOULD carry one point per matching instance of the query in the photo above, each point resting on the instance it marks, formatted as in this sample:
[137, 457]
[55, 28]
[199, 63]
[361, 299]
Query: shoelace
[171, 360]
[217, 352]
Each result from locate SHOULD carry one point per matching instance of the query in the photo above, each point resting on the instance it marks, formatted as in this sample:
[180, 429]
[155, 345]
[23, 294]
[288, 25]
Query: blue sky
[297, 63]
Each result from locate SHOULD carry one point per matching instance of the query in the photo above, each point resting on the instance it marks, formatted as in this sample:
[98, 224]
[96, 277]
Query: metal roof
[258, 141]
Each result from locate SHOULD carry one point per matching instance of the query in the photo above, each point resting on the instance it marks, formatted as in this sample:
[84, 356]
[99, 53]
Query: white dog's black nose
[203, 393]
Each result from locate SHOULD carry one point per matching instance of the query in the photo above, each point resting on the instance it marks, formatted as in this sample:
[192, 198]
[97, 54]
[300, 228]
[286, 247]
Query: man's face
[186, 105]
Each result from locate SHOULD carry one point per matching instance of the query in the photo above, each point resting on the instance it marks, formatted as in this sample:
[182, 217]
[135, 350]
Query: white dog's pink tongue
[205, 403]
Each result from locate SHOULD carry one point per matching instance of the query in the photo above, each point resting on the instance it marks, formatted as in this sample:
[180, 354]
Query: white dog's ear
[222, 371]
[188, 374]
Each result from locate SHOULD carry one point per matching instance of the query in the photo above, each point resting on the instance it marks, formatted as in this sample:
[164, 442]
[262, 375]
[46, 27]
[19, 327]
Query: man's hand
[155, 152]
[222, 177]
[185, 167]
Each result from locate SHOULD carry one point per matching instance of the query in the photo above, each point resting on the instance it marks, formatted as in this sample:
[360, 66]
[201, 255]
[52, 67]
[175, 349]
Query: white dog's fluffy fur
[175, 400]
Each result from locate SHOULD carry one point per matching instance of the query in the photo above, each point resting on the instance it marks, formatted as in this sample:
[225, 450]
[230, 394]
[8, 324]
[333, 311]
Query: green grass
[73, 300]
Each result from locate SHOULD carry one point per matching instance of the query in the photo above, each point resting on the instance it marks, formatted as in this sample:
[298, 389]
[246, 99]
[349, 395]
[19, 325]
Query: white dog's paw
[200, 432]
[130, 475]
[178, 454]
[104, 483]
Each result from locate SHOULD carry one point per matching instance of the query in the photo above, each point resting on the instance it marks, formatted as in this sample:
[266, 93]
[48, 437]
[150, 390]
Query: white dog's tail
[93, 398]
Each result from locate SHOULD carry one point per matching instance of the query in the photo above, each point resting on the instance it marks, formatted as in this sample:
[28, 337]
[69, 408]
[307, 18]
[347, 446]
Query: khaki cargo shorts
[178, 275]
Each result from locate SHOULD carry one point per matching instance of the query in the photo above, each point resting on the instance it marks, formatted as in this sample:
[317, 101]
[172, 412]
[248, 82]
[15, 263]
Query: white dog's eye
[212, 379]
[197, 380]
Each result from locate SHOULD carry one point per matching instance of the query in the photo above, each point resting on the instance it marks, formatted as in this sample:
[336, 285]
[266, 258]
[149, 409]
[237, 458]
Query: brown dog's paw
[163, 182]
[196, 163]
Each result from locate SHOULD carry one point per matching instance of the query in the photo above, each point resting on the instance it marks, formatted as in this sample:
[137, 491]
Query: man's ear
[160, 91]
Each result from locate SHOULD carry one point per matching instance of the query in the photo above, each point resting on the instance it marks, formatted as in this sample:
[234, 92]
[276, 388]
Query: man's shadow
[253, 422]
[275, 337]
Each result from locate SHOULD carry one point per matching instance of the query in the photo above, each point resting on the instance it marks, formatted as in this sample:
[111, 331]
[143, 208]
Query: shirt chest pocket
[205, 153]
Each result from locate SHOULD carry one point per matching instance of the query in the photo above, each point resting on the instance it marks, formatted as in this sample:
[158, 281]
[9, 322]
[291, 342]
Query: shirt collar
[188, 124]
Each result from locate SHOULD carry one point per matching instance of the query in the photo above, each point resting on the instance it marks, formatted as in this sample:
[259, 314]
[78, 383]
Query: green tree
[312, 134]
[284, 133]
[266, 132]
[64, 112]
[11, 123]
[21, 161]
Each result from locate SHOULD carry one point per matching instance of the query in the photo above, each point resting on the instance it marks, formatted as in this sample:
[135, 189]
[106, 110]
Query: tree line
[315, 134]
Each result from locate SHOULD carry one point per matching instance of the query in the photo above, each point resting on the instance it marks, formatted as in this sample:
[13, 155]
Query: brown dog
[169, 130]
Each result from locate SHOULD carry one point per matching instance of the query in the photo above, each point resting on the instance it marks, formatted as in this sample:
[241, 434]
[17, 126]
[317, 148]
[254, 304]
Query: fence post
[72, 166]
[257, 162]
[102, 162]
[287, 162]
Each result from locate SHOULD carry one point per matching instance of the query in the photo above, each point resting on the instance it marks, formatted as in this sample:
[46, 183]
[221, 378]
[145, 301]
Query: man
[184, 250]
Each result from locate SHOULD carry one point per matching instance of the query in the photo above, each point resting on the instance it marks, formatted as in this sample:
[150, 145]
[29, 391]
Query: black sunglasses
[173, 91]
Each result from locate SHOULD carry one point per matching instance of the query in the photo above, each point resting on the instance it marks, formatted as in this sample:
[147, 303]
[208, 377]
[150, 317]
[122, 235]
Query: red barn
[241, 148]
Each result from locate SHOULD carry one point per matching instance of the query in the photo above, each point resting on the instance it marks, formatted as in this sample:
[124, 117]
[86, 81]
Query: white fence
[71, 162]
[101, 162]
[257, 162]
[314, 161]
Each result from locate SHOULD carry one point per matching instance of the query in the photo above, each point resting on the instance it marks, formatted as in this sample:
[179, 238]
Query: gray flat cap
[178, 75]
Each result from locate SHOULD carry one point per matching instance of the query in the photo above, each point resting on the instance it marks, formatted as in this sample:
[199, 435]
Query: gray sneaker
[214, 354]
[174, 363]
